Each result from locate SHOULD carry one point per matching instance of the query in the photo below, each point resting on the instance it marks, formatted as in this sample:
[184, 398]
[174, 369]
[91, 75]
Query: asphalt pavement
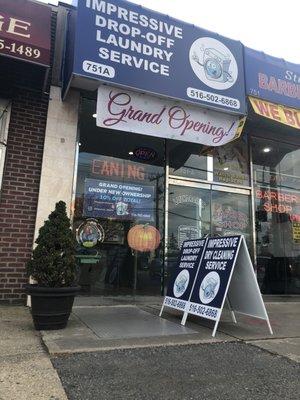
[227, 371]
[126, 352]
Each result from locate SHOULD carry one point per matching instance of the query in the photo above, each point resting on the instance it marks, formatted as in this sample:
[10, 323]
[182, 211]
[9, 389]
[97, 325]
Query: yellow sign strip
[296, 232]
[240, 128]
[284, 115]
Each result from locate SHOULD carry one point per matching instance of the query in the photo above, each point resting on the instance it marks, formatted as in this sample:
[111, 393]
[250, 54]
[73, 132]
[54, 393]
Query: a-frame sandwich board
[226, 273]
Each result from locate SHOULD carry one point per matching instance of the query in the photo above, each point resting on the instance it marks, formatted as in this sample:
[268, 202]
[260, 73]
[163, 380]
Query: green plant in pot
[53, 268]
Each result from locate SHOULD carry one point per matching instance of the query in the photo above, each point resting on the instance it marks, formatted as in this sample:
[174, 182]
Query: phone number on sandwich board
[203, 311]
[175, 303]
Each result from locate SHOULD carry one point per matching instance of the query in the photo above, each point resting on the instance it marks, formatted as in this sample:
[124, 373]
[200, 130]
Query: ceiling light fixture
[131, 153]
[94, 115]
[266, 150]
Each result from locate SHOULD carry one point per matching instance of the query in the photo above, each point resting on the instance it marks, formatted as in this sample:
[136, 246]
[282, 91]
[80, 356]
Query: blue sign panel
[117, 200]
[213, 277]
[183, 275]
[124, 44]
[272, 79]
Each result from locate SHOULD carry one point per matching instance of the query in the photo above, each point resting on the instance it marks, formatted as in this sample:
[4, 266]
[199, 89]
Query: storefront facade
[274, 121]
[147, 142]
[139, 188]
[239, 188]
[153, 171]
[193, 191]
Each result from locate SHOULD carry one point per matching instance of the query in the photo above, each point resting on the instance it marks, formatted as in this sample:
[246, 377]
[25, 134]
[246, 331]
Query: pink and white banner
[129, 111]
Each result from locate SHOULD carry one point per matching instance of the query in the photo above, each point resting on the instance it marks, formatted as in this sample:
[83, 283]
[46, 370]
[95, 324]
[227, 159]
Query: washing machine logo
[209, 287]
[216, 66]
[181, 283]
[122, 208]
[213, 63]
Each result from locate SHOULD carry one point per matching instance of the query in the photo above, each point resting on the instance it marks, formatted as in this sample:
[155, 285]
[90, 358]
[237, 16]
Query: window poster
[229, 219]
[118, 200]
[296, 232]
[187, 232]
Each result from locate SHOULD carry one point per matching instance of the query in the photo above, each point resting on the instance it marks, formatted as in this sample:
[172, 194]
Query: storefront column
[59, 156]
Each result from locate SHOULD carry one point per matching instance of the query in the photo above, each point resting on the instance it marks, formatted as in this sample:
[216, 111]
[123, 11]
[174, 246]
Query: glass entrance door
[196, 210]
[188, 213]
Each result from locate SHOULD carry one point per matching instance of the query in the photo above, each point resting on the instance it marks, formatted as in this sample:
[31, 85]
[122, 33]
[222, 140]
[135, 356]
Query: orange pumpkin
[143, 238]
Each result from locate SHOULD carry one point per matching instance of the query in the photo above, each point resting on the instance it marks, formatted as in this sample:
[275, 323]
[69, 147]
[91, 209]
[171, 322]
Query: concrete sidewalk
[26, 372]
[119, 326]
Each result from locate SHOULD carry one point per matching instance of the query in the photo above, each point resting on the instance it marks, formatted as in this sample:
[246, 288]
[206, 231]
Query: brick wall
[23, 84]
[20, 188]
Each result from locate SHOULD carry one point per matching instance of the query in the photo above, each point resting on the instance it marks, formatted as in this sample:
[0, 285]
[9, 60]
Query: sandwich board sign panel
[183, 277]
[225, 273]
[244, 293]
[213, 278]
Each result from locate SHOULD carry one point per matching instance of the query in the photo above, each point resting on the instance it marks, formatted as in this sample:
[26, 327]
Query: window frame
[5, 114]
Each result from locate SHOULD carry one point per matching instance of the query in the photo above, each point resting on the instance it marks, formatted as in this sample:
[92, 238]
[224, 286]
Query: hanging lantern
[143, 238]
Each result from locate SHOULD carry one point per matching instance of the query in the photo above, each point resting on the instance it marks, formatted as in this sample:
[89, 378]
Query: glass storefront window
[277, 201]
[231, 215]
[4, 122]
[196, 210]
[119, 215]
[227, 164]
[187, 160]
[188, 214]
[120, 186]
[231, 163]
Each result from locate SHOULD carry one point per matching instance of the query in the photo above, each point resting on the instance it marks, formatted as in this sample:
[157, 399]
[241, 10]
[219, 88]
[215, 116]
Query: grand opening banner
[125, 44]
[149, 115]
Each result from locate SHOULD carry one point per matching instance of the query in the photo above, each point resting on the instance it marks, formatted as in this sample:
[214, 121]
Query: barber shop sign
[129, 111]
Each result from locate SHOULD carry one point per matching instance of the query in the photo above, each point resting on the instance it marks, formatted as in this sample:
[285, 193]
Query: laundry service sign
[211, 272]
[135, 112]
[182, 279]
[128, 45]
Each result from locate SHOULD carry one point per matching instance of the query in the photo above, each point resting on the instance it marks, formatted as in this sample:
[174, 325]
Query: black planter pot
[51, 307]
